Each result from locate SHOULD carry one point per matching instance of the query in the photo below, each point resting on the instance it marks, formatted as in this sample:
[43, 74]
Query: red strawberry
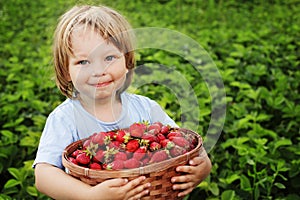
[158, 123]
[154, 128]
[159, 156]
[140, 153]
[137, 129]
[76, 152]
[73, 160]
[99, 138]
[83, 159]
[174, 134]
[177, 151]
[145, 161]
[120, 156]
[154, 146]
[122, 136]
[165, 129]
[132, 163]
[111, 135]
[99, 157]
[95, 166]
[115, 144]
[115, 165]
[166, 143]
[148, 138]
[180, 141]
[160, 136]
[86, 143]
[132, 145]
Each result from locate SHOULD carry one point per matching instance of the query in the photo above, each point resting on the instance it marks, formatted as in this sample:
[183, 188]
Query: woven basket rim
[154, 167]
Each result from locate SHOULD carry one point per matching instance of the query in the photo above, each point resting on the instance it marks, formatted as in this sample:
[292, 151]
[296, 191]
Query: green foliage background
[255, 45]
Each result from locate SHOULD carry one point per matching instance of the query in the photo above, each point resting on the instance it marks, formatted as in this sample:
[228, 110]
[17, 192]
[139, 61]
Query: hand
[120, 189]
[198, 169]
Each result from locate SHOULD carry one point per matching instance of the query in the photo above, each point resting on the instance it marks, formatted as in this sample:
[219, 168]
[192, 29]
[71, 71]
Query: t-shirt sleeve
[57, 134]
[158, 114]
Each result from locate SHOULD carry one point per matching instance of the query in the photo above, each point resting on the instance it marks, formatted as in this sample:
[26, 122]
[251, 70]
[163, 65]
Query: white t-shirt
[70, 122]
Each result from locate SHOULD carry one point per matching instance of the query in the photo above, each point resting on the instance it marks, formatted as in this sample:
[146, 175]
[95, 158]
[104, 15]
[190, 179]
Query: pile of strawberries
[139, 145]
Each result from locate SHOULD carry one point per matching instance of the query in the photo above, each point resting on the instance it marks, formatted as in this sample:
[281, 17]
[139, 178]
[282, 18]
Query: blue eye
[110, 58]
[83, 62]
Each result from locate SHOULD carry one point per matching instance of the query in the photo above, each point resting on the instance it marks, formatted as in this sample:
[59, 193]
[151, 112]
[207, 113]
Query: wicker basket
[158, 174]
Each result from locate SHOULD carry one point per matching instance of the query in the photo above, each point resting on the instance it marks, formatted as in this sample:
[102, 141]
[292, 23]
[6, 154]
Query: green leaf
[228, 195]
[245, 183]
[15, 173]
[32, 191]
[279, 185]
[214, 189]
[11, 183]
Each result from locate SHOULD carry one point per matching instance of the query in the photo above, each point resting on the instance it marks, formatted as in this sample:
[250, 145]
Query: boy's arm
[55, 183]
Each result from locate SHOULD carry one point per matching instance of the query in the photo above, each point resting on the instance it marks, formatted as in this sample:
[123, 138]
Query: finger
[183, 179]
[185, 192]
[133, 183]
[196, 161]
[139, 191]
[185, 169]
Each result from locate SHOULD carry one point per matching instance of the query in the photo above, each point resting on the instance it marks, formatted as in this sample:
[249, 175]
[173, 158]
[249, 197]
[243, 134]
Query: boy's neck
[106, 110]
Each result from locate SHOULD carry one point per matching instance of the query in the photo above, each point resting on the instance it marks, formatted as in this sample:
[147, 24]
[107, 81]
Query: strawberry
[140, 153]
[99, 138]
[160, 136]
[145, 161]
[132, 145]
[120, 156]
[148, 138]
[159, 124]
[76, 152]
[137, 129]
[166, 143]
[83, 159]
[111, 135]
[174, 134]
[180, 141]
[95, 165]
[177, 151]
[165, 129]
[154, 128]
[159, 156]
[154, 146]
[132, 163]
[115, 165]
[115, 144]
[73, 160]
[99, 156]
[122, 136]
[86, 143]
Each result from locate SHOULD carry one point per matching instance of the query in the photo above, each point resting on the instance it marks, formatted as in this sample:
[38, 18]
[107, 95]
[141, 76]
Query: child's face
[98, 68]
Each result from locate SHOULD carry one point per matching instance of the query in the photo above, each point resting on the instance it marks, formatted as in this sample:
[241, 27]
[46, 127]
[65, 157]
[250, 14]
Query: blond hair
[110, 24]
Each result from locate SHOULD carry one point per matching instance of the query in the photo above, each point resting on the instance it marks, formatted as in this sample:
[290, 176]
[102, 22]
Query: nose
[98, 67]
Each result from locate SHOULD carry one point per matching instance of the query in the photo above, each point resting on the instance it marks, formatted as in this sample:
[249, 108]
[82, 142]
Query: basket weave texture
[158, 174]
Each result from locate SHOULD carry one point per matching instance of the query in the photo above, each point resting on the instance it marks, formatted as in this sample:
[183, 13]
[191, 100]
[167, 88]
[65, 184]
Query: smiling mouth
[103, 84]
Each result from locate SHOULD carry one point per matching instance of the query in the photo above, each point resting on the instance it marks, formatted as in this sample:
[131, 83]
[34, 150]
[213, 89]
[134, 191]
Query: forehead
[88, 41]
